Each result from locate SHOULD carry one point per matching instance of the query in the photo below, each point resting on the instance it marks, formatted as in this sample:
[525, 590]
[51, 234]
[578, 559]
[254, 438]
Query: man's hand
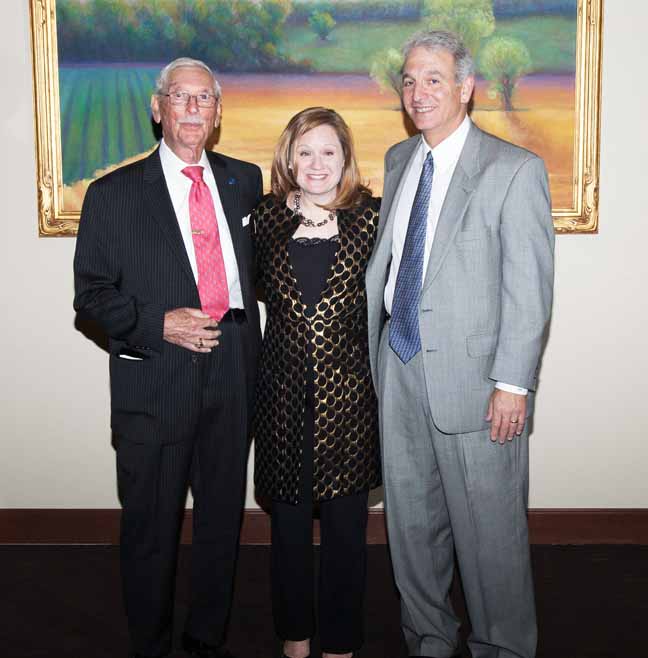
[191, 328]
[506, 414]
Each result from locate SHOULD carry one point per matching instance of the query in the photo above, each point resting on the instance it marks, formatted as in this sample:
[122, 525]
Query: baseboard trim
[101, 526]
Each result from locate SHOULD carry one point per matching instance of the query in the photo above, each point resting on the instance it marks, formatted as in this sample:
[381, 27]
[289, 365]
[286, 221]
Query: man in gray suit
[459, 292]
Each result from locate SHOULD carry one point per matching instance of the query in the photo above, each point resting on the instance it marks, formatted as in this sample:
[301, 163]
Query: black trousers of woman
[343, 558]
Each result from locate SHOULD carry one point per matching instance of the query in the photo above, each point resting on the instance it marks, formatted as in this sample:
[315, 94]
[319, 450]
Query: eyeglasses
[183, 98]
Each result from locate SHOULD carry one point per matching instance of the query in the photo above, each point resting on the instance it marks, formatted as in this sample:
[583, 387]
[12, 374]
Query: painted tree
[235, 35]
[386, 70]
[322, 23]
[503, 61]
[472, 20]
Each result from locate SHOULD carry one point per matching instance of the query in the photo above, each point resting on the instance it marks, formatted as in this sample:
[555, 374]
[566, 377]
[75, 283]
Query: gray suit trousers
[447, 493]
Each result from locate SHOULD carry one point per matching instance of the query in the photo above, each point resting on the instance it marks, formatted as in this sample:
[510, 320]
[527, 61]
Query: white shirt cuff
[511, 388]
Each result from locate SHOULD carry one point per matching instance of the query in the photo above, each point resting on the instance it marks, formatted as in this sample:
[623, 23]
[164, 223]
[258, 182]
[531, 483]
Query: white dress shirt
[179, 186]
[445, 156]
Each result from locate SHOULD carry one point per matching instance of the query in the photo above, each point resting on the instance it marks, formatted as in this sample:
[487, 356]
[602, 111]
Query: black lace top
[311, 260]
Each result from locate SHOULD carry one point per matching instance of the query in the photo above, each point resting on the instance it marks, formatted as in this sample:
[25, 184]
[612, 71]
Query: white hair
[442, 39]
[162, 82]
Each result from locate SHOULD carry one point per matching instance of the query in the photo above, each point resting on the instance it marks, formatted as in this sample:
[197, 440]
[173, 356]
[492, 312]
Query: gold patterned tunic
[334, 335]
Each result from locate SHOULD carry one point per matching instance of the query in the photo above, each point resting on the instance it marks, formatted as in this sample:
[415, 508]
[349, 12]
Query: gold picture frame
[579, 216]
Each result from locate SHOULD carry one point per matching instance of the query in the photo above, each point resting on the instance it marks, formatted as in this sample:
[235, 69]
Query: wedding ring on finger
[513, 421]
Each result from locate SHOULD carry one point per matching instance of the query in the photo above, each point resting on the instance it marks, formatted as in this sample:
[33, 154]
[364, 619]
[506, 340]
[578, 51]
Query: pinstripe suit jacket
[131, 266]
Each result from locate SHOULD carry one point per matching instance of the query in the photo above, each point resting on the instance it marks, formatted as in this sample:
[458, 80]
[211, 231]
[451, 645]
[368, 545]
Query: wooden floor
[64, 602]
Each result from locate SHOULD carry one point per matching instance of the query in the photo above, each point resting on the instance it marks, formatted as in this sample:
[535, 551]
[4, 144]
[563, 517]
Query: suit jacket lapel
[228, 186]
[229, 191]
[455, 204]
[394, 180]
[158, 202]
[377, 269]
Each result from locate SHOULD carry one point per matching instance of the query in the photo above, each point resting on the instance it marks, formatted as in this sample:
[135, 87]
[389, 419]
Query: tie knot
[429, 160]
[194, 172]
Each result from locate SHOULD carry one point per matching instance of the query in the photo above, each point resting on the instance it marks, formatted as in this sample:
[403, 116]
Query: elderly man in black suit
[163, 265]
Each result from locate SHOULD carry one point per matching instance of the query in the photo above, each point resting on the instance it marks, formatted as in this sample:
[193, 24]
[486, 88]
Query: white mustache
[195, 120]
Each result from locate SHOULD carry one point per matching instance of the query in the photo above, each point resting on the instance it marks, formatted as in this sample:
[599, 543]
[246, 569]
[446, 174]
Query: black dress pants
[343, 557]
[153, 480]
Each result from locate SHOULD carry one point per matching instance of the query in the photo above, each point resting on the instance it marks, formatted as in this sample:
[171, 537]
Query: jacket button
[194, 358]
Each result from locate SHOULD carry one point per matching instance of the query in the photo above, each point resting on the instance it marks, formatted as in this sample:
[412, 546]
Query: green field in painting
[104, 116]
[551, 41]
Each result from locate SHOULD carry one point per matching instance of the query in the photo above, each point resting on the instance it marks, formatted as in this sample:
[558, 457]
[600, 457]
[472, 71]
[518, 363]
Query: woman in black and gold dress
[316, 420]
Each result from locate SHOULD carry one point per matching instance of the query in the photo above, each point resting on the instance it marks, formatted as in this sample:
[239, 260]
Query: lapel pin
[231, 181]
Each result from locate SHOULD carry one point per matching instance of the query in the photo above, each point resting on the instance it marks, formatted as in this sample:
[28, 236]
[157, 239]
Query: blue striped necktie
[404, 336]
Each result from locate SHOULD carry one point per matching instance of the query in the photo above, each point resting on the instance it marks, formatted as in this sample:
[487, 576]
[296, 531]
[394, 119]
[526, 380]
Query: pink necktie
[212, 279]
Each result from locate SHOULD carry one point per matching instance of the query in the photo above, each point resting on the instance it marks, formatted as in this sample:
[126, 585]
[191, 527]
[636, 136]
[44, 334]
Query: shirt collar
[171, 162]
[447, 152]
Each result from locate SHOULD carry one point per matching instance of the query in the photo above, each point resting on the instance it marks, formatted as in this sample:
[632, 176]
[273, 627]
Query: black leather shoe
[199, 649]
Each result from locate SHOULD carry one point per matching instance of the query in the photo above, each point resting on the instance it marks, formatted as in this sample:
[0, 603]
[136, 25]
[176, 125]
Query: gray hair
[442, 39]
[162, 82]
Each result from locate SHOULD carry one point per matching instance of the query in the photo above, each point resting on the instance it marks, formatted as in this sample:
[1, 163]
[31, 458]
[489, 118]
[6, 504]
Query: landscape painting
[96, 62]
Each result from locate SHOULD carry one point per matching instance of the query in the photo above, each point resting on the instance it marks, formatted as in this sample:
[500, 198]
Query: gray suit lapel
[395, 176]
[394, 180]
[455, 204]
